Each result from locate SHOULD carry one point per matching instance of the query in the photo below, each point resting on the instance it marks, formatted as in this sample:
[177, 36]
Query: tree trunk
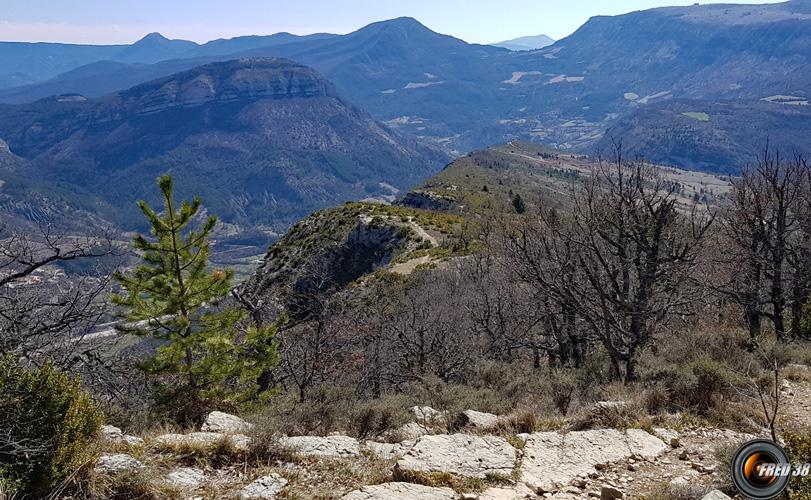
[753, 321]
[630, 367]
[615, 374]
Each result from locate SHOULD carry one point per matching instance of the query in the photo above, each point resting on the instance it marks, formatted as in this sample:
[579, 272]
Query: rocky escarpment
[8, 159]
[243, 79]
[333, 248]
[426, 200]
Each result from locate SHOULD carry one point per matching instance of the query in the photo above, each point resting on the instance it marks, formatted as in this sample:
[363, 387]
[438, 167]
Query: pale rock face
[330, 446]
[679, 482]
[186, 477]
[132, 440]
[552, 460]
[410, 431]
[461, 455]
[716, 495]
[113, 463]
[519, 492]
[111, 433]
[428, 415]
[401, 491]
[264, 488]
[218, 421]
[204, 439]
[478, 419]
[669, 436]
[643, 445]
[564, 496]
[389, 451]
[115, 435]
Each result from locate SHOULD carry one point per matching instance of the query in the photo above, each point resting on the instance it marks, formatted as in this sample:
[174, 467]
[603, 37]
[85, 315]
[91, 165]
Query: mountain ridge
[275, 132]
[463, 97]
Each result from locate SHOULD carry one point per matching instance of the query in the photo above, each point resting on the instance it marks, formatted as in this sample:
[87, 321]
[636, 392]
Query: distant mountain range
[462, 97]
[263, 141]
[526, 43]
[27, 63]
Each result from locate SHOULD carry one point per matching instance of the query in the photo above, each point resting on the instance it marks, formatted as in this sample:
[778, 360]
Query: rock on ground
[115, 435]
[117, 462]
[264, 488]
[111, 433]
[132, 440]
[477, 419]
[461, 455]
[552, 460]
[408, 432]
[643, 445]
[401, 491]
[217, 421]
[428, 415]
[389, 451]
[330, 446]
[519, 492]
[716, 495]
[610, 493]
[669, 436]
[204, 439]
[186, 477]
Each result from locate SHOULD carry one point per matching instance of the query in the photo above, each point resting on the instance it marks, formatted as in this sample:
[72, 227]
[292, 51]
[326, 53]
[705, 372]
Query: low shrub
[373, 418]
[49, 424]
[523, 422]
[699, 386]
[129, 485]
[325, 410]
[668, 491]
[798, 447]
[562, 389]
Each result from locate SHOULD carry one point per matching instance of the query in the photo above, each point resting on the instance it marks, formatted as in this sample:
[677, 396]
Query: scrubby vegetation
[671, 315]
[49, 424]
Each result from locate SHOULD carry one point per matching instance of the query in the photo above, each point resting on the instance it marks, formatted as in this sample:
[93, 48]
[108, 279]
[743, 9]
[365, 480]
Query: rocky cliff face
[226, 82]
[327, 250]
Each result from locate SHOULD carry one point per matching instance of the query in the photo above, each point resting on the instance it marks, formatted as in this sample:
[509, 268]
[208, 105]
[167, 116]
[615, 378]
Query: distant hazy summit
[526, 43]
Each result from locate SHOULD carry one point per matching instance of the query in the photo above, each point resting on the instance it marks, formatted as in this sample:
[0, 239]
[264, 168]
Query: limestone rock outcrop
[461, 455]
[552, 460]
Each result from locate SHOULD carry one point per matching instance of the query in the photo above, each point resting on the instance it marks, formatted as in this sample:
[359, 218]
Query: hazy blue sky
[123, 21]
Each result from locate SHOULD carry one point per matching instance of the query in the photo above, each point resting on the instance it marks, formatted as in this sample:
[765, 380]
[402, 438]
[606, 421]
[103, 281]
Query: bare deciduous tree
[623, 261]
[766, 230]
[43, 312]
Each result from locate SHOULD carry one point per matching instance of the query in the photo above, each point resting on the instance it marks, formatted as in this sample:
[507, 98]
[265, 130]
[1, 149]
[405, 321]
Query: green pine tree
[518, 204]
[205, 358]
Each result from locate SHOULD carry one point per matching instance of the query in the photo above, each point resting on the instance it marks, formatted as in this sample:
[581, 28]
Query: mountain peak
[153, 37]
[405, 23]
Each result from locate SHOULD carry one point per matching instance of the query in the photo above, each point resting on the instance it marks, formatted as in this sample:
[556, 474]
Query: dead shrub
[372, 419]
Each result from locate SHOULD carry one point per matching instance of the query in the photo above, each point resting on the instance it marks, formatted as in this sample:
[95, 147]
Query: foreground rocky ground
[420, 461]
